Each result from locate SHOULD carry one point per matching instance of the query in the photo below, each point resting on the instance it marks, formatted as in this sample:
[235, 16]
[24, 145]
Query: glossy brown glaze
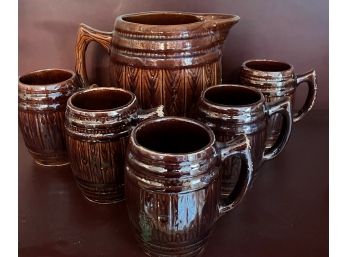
[98, 124]
[163, 57]
[231, 110]
[42, 98]
[173, 184]
[277, 80]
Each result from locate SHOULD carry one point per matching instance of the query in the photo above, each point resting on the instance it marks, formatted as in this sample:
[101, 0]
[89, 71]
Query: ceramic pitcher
[165, 58]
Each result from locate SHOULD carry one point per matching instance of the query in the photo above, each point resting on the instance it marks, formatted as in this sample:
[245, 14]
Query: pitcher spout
[217, 21]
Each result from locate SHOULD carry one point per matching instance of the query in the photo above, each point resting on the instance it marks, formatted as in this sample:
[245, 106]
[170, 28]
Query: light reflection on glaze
[189, 209]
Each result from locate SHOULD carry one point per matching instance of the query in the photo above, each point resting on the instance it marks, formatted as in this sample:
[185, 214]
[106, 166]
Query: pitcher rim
[200, 18]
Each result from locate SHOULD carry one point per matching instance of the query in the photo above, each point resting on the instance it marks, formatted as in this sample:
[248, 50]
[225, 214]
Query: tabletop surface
[286, 212]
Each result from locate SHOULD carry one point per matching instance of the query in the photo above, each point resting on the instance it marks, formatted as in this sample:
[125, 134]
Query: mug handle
[87, 87]
[85, 35]
[310, 78]
[282, 107]
[240, 146]
[151, 113]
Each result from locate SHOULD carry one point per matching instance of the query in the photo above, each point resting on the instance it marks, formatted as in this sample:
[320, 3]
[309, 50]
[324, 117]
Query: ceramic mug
[173, 182]
[277, 80]
[98, 123]
[230, 110]
[42, 98]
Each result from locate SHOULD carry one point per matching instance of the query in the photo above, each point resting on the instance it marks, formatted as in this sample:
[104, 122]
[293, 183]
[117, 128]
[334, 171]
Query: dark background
[294, 31]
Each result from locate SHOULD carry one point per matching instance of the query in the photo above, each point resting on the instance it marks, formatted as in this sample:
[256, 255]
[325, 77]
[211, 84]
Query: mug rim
[129, 103]
[224, 106]
[71, 72]
[199, 151]
[246, 67]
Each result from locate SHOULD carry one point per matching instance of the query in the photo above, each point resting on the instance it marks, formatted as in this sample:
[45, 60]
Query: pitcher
[165, 58]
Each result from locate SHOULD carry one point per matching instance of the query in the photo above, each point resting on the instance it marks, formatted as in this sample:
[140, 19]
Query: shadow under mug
[42, 99]
[173, 183]
[98, 123]
[277, 80]
[231, 110]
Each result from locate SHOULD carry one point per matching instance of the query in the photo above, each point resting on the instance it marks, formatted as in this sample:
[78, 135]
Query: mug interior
[45, 77]
[232, 96]
[101, 99]
[162, 19]
[173, 136]
[268, 66]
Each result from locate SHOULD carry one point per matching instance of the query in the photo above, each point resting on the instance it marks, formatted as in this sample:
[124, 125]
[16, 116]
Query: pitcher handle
[310, 79]
[240, 146]
[85, 35]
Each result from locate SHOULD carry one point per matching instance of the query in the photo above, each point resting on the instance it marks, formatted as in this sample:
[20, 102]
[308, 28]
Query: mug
[98, 122]
[172, 184]
[277, 80]
[230, 110]
[42, 98]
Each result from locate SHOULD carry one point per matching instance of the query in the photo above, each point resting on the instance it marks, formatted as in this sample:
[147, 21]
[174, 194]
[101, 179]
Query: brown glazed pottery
[173, 184]
[163, 57]
[42, 98]
[98, 124]
[276, 80]
[230, 110]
